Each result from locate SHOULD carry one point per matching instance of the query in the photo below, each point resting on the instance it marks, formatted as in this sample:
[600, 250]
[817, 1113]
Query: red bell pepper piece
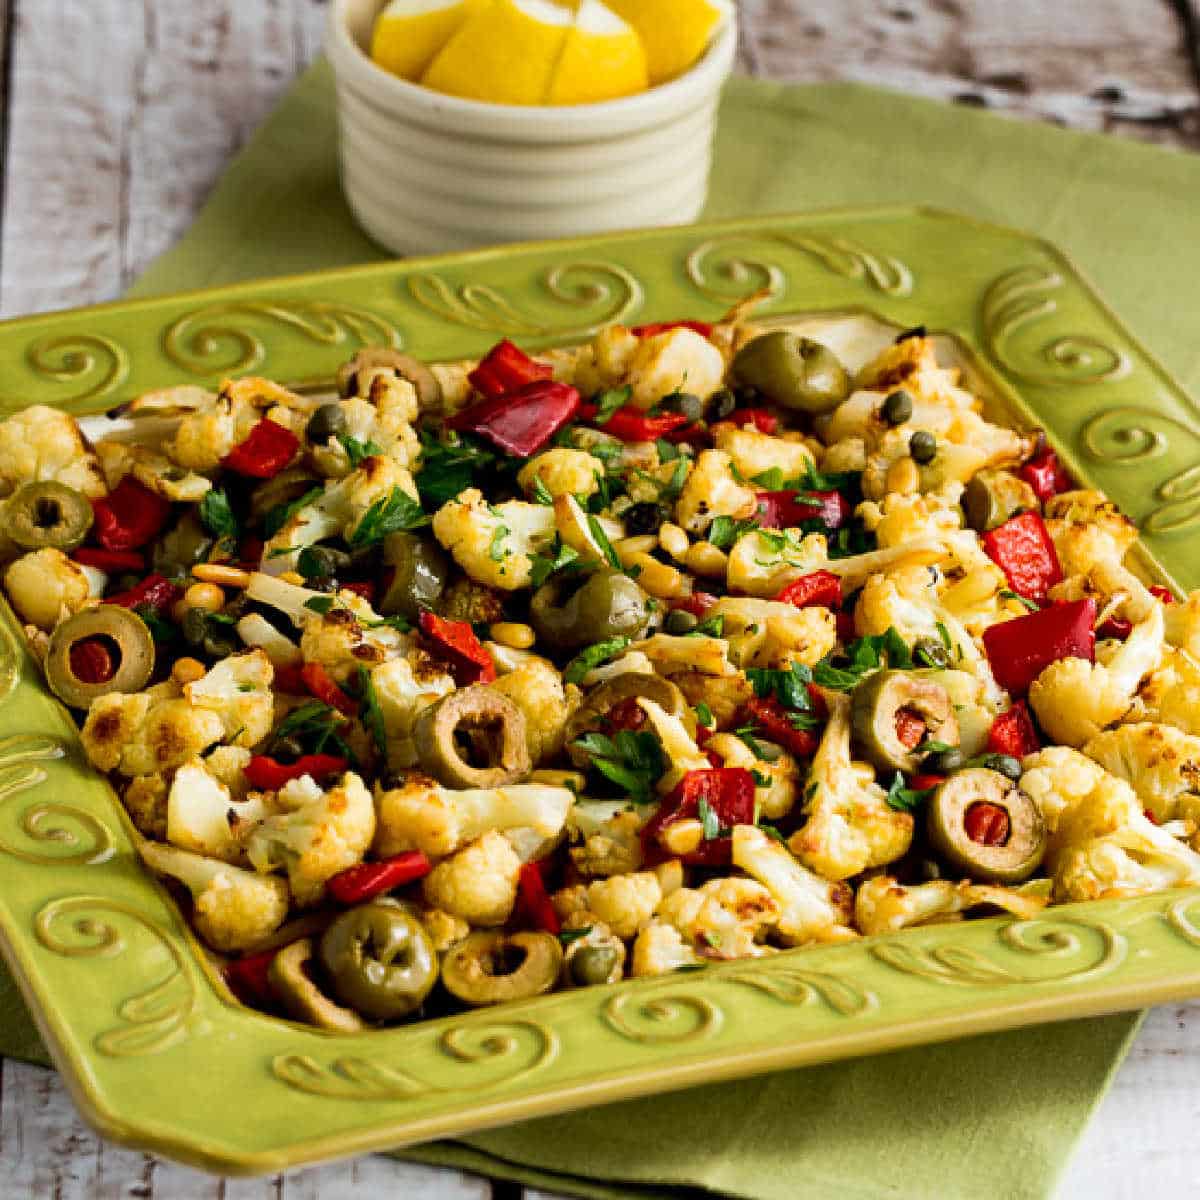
[1013, 733]
[129, 516]
[520, 422]
[159, 593]
[1046, 475]
[268, 448]
[265, 774]
[250, 552]
[322, 686]
[821, 589]
[456, 641]
[248, 978]
[755, 418]
[729, 794]
[703, 328]
[505, 369]
[1020, 650]
[535, 900]
[924, 781]
[910, 728]
[357, 885]
[785, 510]
[845, 626]
[771, 718]
[1164, 594]
[361, 587]
[986, 824]
[111, 561]
[698, 603]
[91, 660]
[290, 681]
[632, 424]
[1023, 549]
[1115, 627]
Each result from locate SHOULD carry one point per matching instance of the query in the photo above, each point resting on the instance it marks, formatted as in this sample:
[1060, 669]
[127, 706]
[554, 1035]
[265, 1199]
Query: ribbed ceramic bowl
[424, 172]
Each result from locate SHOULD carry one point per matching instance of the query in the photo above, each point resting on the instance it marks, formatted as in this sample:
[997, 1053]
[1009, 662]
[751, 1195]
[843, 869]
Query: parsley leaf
[448, 468]
[608, 402]
[631, 760]
[704, 715]
[905, 799]
[496, 546]
[667, 451]
[606, 547]
[789, 687]
[709, 819]
[724, 531]
[772, 832]
[864, 655]
[315, 726]
[760, 780]
[541, 493]
[545, 565]
[357, 450]
[371, 713]
[277, 517]
[161, 630]
[217, 515]
[389, 514]
[713, 627]
[1009, 594]
[592, 657]
[567, 936]
[320, 604]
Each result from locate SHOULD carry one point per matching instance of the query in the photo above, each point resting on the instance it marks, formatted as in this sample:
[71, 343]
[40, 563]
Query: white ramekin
[426, 173]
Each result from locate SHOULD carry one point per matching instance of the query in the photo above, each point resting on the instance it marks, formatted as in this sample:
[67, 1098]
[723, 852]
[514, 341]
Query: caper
[687, 404]
[194, 626]
[922, 447]
[722, 404]
[420, 573]
[931, 652]
[647, 516]
[944, 762]
[327, 422]
[49, 514]
[679, 622]
[219, 644]
[592, 965]
[792, 371]
[898, 407]
[1004, 764]
[124, 648]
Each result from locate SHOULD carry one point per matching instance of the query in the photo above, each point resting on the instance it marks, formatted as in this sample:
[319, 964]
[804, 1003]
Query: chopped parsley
[561, 557]
[789, 687]
[277, 517]
[541, 493]
[496, 551]
[725, 531]
[862, 657]
[905, 799]
[448, 468]
[389, 514]
[320, 604]
[704, 715]
[632, 760]
[667, 451]
[357, 450]
[587, 660]
[1009, 594]
[713, 627]
[218, 516]
[161, 630]
[371, 713]
[608, 402]
[567, 936]
[760, 780]
[601, 539]
[317, 728]
[709, 819]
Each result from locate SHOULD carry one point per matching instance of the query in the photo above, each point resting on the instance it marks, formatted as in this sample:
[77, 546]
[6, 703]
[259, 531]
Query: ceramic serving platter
[156, 1052]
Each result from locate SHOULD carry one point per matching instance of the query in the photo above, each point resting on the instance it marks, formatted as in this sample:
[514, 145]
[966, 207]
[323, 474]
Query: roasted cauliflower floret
[763, 561]
[754, 453]
[884, 906]
[1086, 528]
[147, 733]
[1074, 699]
[203, 816]
[238, 690]
[1160, 763]
[724, 918]
[536, 688]
[673, 361]
[404, 687]
[233, 909]
[625, 902]
[660, 948]
[494, 544]
[145, 800]
[711, 490]
[347, 637]
[46, 587]
[478, 884]
[562, 472]
[767, 633]
[41, 444]
[812, 909]
[1182, 624]
[421, 815]
[850, 825]
[898, 519]
[317, 834]
[776, 796]
[1172, 693]
[609, 847]
[604, 363]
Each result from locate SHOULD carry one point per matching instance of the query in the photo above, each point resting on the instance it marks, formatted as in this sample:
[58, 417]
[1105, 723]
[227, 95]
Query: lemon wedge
[675, 33]
[602, 58]
[504, 53]
[408, 33]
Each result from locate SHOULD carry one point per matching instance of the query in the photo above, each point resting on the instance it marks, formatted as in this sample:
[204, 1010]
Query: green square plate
[154, 1050]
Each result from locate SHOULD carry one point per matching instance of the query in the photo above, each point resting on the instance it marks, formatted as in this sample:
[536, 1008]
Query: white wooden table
[120, 115]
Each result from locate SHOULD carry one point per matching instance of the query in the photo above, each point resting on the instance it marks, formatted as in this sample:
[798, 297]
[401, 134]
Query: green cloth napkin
[991, 1117]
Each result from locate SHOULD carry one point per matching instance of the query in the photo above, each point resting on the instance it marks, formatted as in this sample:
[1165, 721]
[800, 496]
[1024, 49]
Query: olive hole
[47, 512]
[506, 959]
[479, 744]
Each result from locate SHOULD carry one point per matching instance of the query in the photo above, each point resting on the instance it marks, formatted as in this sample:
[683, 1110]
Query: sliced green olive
[99, 651]
[50, 514]
[285, 487]
[375, 358]
[607, 605]
[890, 707]
[621, 689]
[379, 960]
[181, 547]
[301, 998]
[327, 422]
[991, 497]
[491, 967]
[792, 371]
[983, 825]
[476, 722]
[420, 574]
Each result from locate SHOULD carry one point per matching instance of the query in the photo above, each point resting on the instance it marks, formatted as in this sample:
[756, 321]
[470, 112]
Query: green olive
[376, 358]
[329, 421]
[50, 514]
[379, 960]
[991, 497]
[181, 547]
[687, 404]
[607, 605]
[473, 722]
[898, 407]
[922, 447]
[285, 487]
[886, 702]
[984, 826]
[300, 996]
[421, 572]
[111, 636]
[490, 967]
[792, 371]
[321, 562]
[589, 963]
[591, 715]
[679, 622]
